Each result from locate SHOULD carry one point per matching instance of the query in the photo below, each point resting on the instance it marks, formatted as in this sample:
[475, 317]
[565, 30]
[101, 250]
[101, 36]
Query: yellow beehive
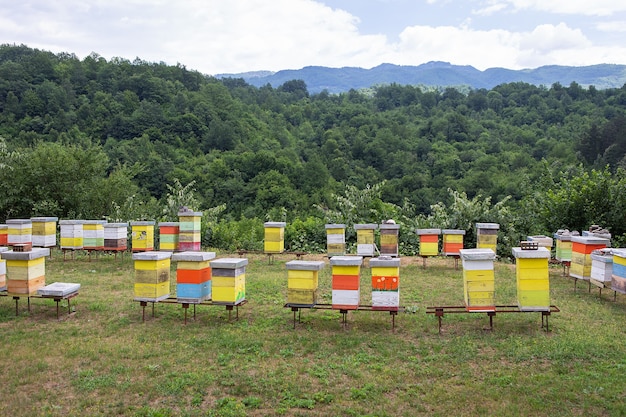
[189, 224]
[532, 278]
[152, 275]
[229, 280]
[274, 237]
[44, 231]
[563, 246]
[142, 236]
[582, 246]
[429, 241]
[452, 241]
[478, 279]
[365, 244]
[389, 239]
[487, 236]
[302, 282]
[20, 232]
[25, 271]
[335, 239]
[71, 234]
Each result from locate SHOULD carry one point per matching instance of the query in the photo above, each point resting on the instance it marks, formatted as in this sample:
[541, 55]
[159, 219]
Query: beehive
[385, 283]
[274, 237]
[429, 241]
[532, 279]
[487, 236]
[563, 247]
[4, 234]
[389, 239]
[365, 245]
[618, 277]
[189, 223]
[116, 236]
[335, 239]
[152, 275]
[93, 234]
[582, 246]
[193, 276]
[168, 236]
[44, 231]
[346, 274]
[26, 271]
[541, 240]
[478, 279]
[142, 236]
[302, 282]
[3, 269]
[71, 234]
[601, 267]
[452, 241]
[20, 232]
[228, 280]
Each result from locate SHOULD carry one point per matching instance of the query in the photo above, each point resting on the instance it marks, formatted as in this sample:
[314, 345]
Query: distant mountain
[439, 74]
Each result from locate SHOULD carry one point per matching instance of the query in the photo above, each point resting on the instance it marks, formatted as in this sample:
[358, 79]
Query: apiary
[582, 246]
[93, 234]
[20, 232]
[152, 275]
[478, 279]
[346, 275]
[487, 236]
[274, 237]
[365, 245]
[189, 223]
[389, 239]
[3, 269]
[142, 236]
[618, 277]
[429, 241]
[335, 239]
[116, 236]
[168, 236]
[532, 278]
[71, 234]
[601, 267]
[4, 234]
[193, 276]
[385, 283]
[228, 280]
[44, 231]
[302, 282]
[25, 271]
[452, 241]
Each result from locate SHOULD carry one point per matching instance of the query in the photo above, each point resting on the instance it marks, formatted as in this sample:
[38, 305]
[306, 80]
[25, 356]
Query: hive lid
[384, 262]
[35, 253]
[346, 260]
[151, 256]
[428, 231]
[365, 226]
[539, 253]
[58, 289]
[193, 256]
[478, 254]
[143, 223]
[103, 222]
[487, 226]
[229, 263]
[453, 232]
[306, 265]
[169, 224]
[116, 225]
[274, 224]
[189, 213]
[389, 226]
[44, 219]
[18, 221]
[71, 222]
[335, 226]
[603, 255]
[591, 240]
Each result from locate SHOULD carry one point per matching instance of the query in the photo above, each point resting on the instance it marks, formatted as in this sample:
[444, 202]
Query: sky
[236, 36]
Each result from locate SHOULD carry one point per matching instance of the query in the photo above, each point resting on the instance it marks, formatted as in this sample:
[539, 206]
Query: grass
[104, 361]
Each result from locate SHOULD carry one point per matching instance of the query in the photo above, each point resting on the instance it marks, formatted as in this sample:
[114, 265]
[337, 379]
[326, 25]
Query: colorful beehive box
[532, 278]
[20, 232]
[618, 278]
[563, 246]
[335, 239]
[601, 267]
[582, 246]
[193, 276]
[71, 234]
[228, 280]
[116, 236]
[152, 275]
[429, 241]
[365, 245]
[389, 239]
[93, 234]
[487, 236]
[346, 275]
[4, 234]
[385, 283]
[26, 271]
[478, 279]
[302, 282]
[541, 240]
[168, 236]
[452, 241]
[44, 231]
[142, 236]
[189, 223]
[3, 269]
[274, 237]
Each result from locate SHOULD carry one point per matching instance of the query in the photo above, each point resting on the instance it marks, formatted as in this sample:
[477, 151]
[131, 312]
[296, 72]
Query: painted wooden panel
[168, 236]
[452, 241]
[365, 239]
[302, 282]
[429, 241]
[152, 275]
[346, 281]
[582, 246]
[389, 239]
[4, 234]
[142, 236]
[532, 278]
[228, 280]
[335, 239]
[478, 279]
[25, 271]
[274, 237]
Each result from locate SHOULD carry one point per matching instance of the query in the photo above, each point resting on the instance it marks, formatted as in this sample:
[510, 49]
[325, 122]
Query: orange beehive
[429, 241]
[582, 246]
[452, 241]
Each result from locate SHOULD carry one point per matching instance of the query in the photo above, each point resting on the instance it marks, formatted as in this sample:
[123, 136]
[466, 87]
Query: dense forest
[126, 140]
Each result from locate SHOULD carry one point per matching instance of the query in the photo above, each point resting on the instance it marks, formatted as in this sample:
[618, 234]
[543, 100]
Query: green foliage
[179, 196]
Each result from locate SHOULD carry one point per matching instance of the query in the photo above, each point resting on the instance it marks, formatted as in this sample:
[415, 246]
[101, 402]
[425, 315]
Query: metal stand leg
[185, 307]
[143, 305]
[439, 314]
[16, 308]
[491, 314]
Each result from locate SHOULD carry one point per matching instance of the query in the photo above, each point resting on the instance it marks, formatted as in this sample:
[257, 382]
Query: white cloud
[583, 7]
[612, 26]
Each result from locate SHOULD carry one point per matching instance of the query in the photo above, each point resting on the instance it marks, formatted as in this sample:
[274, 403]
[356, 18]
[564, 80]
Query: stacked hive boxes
[274, 237]
[429, 241]
[533, 279]
[4, 234]
[563, 250]
[365, 245]
[71, 234]
[142, 234]
[44, 231]
[582, 246]
[116, 236]
[618, 277]
[346, 274]
[193, 276]
[3, 270]
[389, 239]
[601, 267]
[26, 271]
[229, 280]
[20, 232]
[487, 236]
[452, 241]
[478, 279]
[93, 234]
[168, 236]
[302, 282]
[385, 283]
[152, 275]
[189, 223]
[335, 239]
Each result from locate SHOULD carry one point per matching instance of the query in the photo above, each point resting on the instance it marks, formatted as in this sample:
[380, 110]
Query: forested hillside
[126, 140]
